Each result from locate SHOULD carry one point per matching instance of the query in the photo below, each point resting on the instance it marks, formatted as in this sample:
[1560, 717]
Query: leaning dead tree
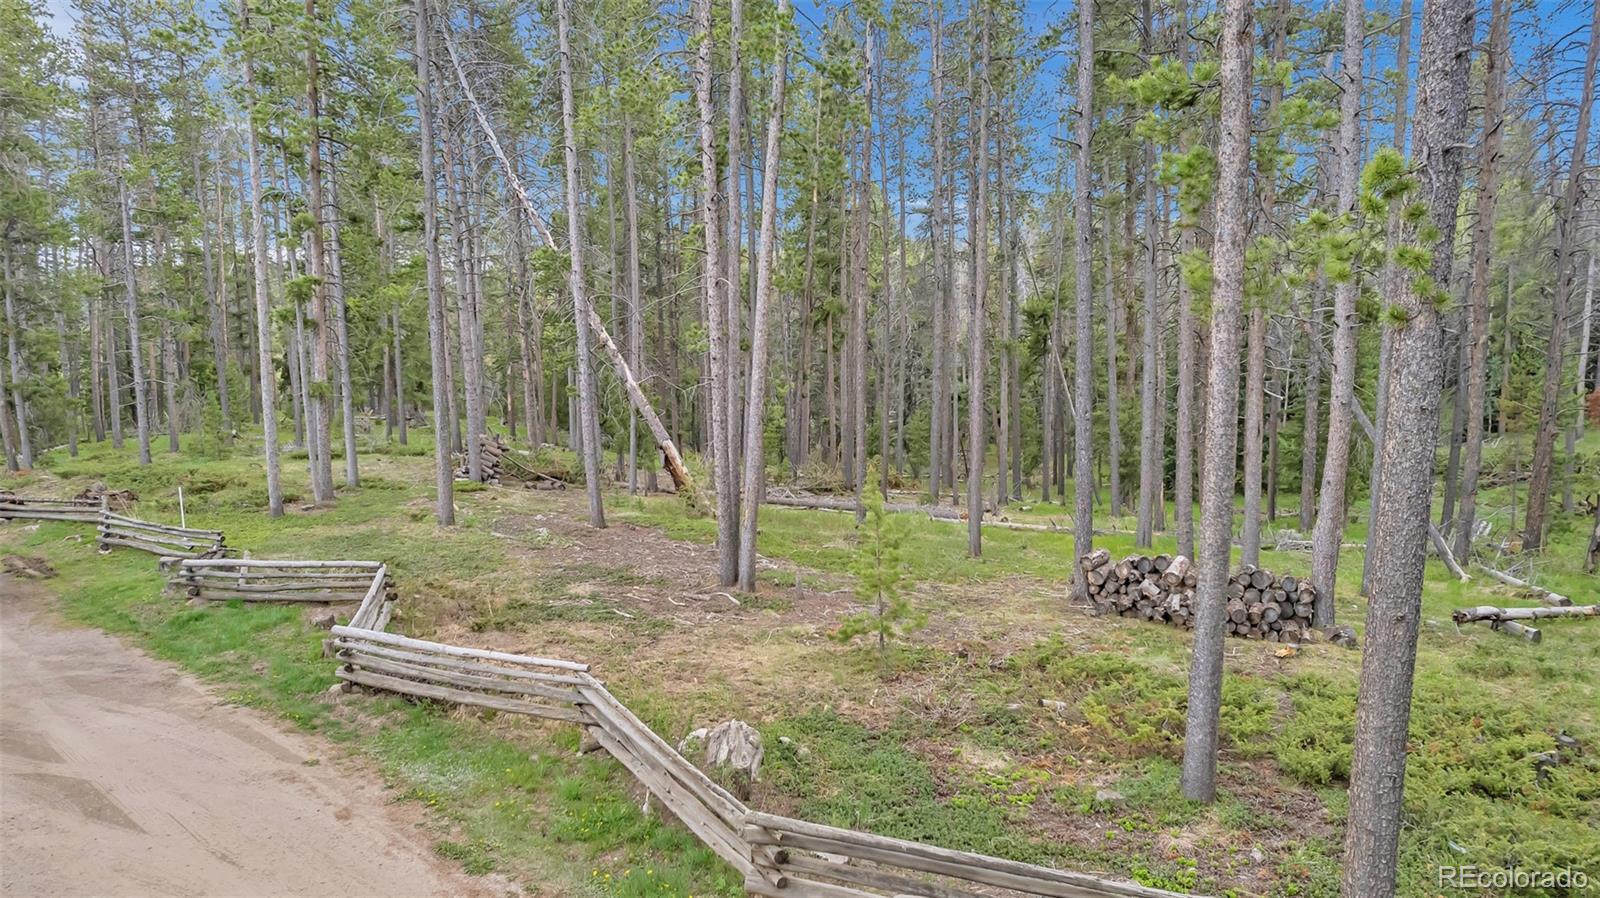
[673, 461]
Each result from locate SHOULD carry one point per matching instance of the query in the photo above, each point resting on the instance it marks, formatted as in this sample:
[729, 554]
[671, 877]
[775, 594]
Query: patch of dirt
[107, 753]
[31, 567]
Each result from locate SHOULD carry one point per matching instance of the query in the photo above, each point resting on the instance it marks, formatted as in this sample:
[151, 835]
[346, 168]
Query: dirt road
[121, 776]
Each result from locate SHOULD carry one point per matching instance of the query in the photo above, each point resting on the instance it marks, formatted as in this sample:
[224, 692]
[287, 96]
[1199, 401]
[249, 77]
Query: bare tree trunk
[1083, 326]
[141, 406]
[975, 320]
[732, 252]
[588, 412]
[1150, 457]
[1199, 778]
[755, 467]
[91, 307]
[939, 373]
[258, 223]
[1254, 402]
[1580, 389]
[400, 389]
[471, 371]
[438, 333]
[1184, 419]
[318, 391]
[19, 403]
[8, 432]
[341, 338]
[1329, 530]
[216, 307]
[630, 212]
[1114, 325]
[69, 352]
[1555, 355]
[1399, 540]
[716, 307]
[1002, 438]
[1476, 381]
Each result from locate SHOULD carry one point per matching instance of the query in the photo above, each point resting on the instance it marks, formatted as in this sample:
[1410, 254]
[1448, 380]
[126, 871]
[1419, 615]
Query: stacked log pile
[492, 451]
[501, 462]
[1161, 588]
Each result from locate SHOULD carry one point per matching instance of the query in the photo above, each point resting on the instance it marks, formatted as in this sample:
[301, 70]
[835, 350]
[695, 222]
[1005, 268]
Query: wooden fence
[114, 529]
[22, 508]
[777, 856]
[259, 580]
[158, 539]
[780, 857]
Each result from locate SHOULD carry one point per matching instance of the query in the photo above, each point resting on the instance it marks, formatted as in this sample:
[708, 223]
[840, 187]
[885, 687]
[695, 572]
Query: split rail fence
[779, 857]
[113, 529]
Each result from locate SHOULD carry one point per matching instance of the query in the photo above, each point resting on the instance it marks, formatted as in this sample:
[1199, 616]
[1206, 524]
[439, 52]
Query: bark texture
[1199, 776]
[1399, 537]
[1329, 530]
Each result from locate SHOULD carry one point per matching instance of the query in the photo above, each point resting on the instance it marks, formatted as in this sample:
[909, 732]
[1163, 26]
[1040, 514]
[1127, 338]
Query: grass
[944, 740]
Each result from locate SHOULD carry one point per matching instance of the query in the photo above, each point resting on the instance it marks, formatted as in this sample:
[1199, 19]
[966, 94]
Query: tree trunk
[630, 212]
[471, 370]
[1567, 224]
[732, 253]
[19, 403]
[939, 367]
[216, 308]
[258, 224]
[1150, 457]
[716, 307]
[1199, 777]
[438, 334]
[588, 411]
[976, 322]
[341, 333]
[319, 393]
[1580, 389]
[1254, 411]
[1328, 532]
[1083, 326]
[141, 406]
[1184, 418]
[755, 461]
[1476, 381]
[1113, 329]
[1399, 539]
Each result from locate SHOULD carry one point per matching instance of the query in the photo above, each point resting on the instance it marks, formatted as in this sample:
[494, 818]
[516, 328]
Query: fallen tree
[1546, 596]
[671, 460]
[1493, 613]
[1440, 547]
[933, 512]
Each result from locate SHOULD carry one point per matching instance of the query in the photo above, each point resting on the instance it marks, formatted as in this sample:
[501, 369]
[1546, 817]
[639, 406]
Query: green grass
[511, 799]
[931, 743]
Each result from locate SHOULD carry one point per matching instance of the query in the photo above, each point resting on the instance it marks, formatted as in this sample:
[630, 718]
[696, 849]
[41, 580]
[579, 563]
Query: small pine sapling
[880, 578]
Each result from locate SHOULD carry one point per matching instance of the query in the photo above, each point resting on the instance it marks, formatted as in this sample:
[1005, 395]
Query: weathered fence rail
[158, 539]
[22, 508]
[260, 580]
[779, 857]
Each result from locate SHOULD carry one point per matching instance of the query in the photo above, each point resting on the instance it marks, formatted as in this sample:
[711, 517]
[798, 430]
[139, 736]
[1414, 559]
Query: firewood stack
[493, 451]
[1161, 588]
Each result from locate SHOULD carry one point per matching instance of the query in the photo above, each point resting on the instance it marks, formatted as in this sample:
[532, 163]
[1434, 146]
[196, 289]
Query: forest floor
[943, 738]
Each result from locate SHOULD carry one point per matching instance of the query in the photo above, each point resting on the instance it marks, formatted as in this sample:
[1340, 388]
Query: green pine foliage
[881, 577]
